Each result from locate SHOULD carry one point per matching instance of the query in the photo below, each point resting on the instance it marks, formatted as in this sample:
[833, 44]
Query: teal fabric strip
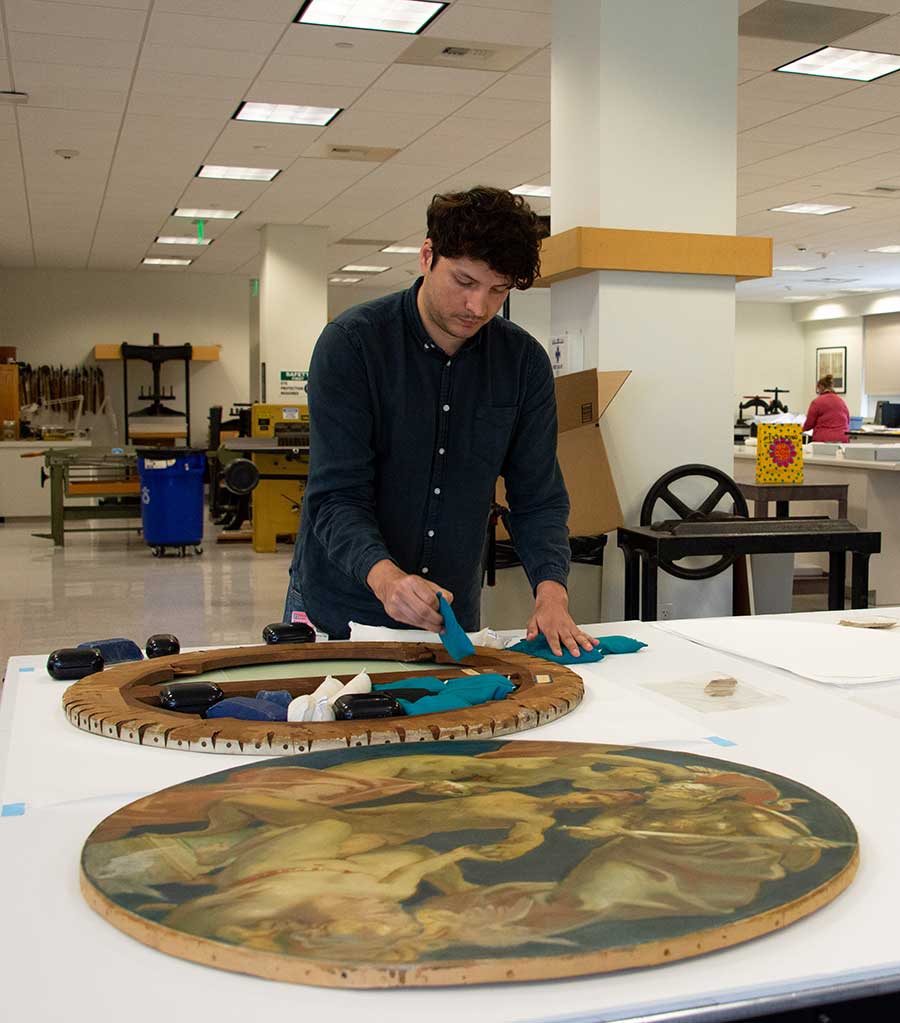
[454, 638]
[455, 694]
[539, 647]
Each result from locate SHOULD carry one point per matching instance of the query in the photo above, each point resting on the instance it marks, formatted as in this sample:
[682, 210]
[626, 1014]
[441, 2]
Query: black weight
[68, 664]
[366, 706]
[725, 487]
[162, 644]
[289, 632]
[190, 697]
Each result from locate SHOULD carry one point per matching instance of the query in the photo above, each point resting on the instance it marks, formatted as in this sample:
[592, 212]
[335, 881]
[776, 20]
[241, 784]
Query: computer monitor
[879, 409]
[890, 415]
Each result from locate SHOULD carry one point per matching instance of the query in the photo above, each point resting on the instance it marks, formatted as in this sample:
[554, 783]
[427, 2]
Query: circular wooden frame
[121, 702]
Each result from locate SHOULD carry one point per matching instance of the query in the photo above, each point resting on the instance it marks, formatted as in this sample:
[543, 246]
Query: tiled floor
[102, 585]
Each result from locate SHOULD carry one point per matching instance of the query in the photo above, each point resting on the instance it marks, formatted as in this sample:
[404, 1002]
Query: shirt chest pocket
[492, 435]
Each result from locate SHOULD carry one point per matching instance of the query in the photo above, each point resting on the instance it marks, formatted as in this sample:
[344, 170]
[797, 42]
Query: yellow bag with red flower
[779, 453]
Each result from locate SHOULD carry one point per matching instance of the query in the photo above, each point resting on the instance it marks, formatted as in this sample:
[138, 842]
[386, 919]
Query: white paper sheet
[824, 652]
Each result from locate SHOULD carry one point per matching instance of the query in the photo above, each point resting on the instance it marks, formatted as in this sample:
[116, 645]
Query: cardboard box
[581, 400]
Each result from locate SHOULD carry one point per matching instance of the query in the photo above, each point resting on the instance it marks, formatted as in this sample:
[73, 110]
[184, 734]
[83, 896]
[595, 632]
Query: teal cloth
[539, 647]
[454, 694]
[454, 638]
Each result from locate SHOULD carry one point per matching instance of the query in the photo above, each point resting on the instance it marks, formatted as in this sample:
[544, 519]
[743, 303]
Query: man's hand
[551, 617]
[410, 599]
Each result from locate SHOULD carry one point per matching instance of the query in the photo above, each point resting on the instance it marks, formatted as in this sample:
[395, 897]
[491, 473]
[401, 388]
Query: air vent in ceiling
[459, 53]
[348, 151]
[371, 243]
[804, 23]
[879, 192]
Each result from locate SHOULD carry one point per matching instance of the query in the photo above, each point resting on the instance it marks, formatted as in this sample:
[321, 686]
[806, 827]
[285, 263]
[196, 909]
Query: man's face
[458, 296]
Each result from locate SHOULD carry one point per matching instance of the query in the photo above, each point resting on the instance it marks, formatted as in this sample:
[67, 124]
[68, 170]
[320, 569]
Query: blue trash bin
[172, 498]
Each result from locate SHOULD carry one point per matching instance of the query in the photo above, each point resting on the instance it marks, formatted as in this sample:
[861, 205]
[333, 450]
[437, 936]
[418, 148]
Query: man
[418, 402]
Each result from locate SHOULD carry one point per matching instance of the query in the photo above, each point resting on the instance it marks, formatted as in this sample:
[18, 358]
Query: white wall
[769, 351]
[845, 332]
[57, 316]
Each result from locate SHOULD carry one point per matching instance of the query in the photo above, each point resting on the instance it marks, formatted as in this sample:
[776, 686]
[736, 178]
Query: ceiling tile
[198, 107]
[883, 37]
[364, 128]
[768, 54]
[265, 90]
[213, 33]
[492, 25]
[531, 6]
[81, 20]
[390, 101]
[190, 60]
[168, 83]
[778, 131]
[30, 76]
[751, 113]
[280, 11]
[86, 52]
[874, 97]
[5, 80]
[539, 64]
[248, 144]
[838, 119]
[428, 80]
[201, 193]
[321, 71]
[775, 85]
[524, 88]
[510, 110]
[331, 44]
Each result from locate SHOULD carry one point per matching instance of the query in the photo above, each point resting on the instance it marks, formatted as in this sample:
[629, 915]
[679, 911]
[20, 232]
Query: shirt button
[449, 362]
[431, 532]
[440, 451]
[425, 570]
[446, 408]
[437, 490]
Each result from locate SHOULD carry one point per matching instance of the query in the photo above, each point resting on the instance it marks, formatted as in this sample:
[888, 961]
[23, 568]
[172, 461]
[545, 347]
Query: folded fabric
[453, 694]
[281, 696]
[539, 647]
[247, 709]
[454, 638]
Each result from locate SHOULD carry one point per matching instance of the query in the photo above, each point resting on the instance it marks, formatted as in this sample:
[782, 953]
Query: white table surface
[61, 960]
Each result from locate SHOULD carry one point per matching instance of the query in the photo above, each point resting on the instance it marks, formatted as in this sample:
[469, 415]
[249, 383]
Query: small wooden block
[871, 623]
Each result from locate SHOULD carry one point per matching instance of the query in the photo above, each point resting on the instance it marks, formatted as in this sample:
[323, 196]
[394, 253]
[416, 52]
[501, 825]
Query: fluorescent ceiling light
[238, 173]
[401, 249]
[796, 268]
[361, 268]
[344, 280]
[181, 239]
[817, 208]
[156, 261]
[206, 214]
[801, 298]
[286, 113]
[409, 16]
[886, 248]
[539, 191]
[836, 62]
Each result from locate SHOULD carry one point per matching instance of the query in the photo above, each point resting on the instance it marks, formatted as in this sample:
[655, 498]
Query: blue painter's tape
[26, 669]
[719, 741]
[12, 810]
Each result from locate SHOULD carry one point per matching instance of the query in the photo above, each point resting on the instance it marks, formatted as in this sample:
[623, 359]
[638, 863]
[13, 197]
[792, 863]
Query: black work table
[644, 548]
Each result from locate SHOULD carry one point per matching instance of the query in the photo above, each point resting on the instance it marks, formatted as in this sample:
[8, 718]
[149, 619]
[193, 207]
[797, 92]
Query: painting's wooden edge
[100, 703]
[458, 972]
[584, 250]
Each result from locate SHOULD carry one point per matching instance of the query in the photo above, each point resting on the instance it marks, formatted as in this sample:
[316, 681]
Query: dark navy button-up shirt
[406, 445]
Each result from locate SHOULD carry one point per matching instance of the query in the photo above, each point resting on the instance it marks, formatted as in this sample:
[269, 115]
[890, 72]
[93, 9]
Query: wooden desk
[783, 493]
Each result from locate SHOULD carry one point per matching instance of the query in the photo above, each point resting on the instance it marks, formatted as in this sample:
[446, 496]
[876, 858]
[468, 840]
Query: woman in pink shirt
[828, 416]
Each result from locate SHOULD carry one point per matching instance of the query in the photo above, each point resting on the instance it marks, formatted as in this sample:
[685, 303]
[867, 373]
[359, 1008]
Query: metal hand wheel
[724, 488]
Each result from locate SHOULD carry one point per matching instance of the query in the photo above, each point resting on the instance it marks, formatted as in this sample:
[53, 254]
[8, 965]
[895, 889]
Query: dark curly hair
[489, 224]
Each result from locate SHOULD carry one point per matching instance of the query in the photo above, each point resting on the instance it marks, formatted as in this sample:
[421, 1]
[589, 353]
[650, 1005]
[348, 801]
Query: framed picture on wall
[833, 361]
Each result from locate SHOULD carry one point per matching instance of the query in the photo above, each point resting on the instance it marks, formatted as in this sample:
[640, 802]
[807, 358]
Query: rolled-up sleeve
[535, 490]
[340, 490]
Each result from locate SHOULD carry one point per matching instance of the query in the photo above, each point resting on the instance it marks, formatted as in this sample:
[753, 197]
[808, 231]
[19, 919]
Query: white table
[61, 960]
